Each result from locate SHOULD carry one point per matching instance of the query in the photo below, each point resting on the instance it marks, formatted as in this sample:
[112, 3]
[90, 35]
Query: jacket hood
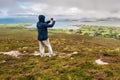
[41, 18]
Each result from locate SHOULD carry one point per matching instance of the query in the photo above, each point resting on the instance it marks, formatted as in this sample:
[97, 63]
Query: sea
[61, 24]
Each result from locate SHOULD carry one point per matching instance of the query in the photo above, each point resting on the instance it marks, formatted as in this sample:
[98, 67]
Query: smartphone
[52, 19]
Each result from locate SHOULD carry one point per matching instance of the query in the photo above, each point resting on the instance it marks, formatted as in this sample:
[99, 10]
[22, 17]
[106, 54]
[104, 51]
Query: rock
[3, 61]
[71, 58]
[48, 54]
[24, 51]
[74, 53]
[43, 55]
[12, 53]
[60, 56]
[25, 48]
[69, 55]
[36, 53]
[100, 62]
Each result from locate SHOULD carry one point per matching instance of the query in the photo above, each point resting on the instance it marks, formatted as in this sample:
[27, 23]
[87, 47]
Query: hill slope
[64, 66]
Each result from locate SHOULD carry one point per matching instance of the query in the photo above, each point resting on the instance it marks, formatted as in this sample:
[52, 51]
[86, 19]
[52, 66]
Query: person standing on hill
[43, 39]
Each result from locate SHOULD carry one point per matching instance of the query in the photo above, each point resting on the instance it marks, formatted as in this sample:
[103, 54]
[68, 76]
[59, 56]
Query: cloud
[76, 8]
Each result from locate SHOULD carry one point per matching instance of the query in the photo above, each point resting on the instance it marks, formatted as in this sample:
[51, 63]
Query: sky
[61, 8]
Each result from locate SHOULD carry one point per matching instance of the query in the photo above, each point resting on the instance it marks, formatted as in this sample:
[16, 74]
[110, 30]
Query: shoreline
[68, 27]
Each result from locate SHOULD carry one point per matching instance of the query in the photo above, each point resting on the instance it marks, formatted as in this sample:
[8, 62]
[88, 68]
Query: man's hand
[51, 19]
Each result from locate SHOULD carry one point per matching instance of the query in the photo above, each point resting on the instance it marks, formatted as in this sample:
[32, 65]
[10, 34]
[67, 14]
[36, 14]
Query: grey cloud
[88, 4]
[83, 7]
[111, 5]
[8, 4]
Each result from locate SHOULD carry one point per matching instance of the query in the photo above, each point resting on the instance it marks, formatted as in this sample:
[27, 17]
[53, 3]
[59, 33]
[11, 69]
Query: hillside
[75, 59]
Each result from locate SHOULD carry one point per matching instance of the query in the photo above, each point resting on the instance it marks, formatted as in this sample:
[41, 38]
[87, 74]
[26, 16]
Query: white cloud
[117, 14]
[76, 8]
[63, 11]
[3, 13]
[39, 8]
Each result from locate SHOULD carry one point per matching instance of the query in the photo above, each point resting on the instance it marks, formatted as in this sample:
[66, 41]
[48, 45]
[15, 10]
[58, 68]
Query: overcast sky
[76, 8]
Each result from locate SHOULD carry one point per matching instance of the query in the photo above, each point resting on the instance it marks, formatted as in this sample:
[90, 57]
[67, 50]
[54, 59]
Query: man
[42, 28]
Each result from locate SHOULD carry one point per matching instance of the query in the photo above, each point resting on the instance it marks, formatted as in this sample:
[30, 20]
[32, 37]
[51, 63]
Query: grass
[101, 31]
[76, 67]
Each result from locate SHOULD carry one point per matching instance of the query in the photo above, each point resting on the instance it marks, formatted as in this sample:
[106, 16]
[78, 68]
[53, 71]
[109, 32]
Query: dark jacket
[42, 28]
